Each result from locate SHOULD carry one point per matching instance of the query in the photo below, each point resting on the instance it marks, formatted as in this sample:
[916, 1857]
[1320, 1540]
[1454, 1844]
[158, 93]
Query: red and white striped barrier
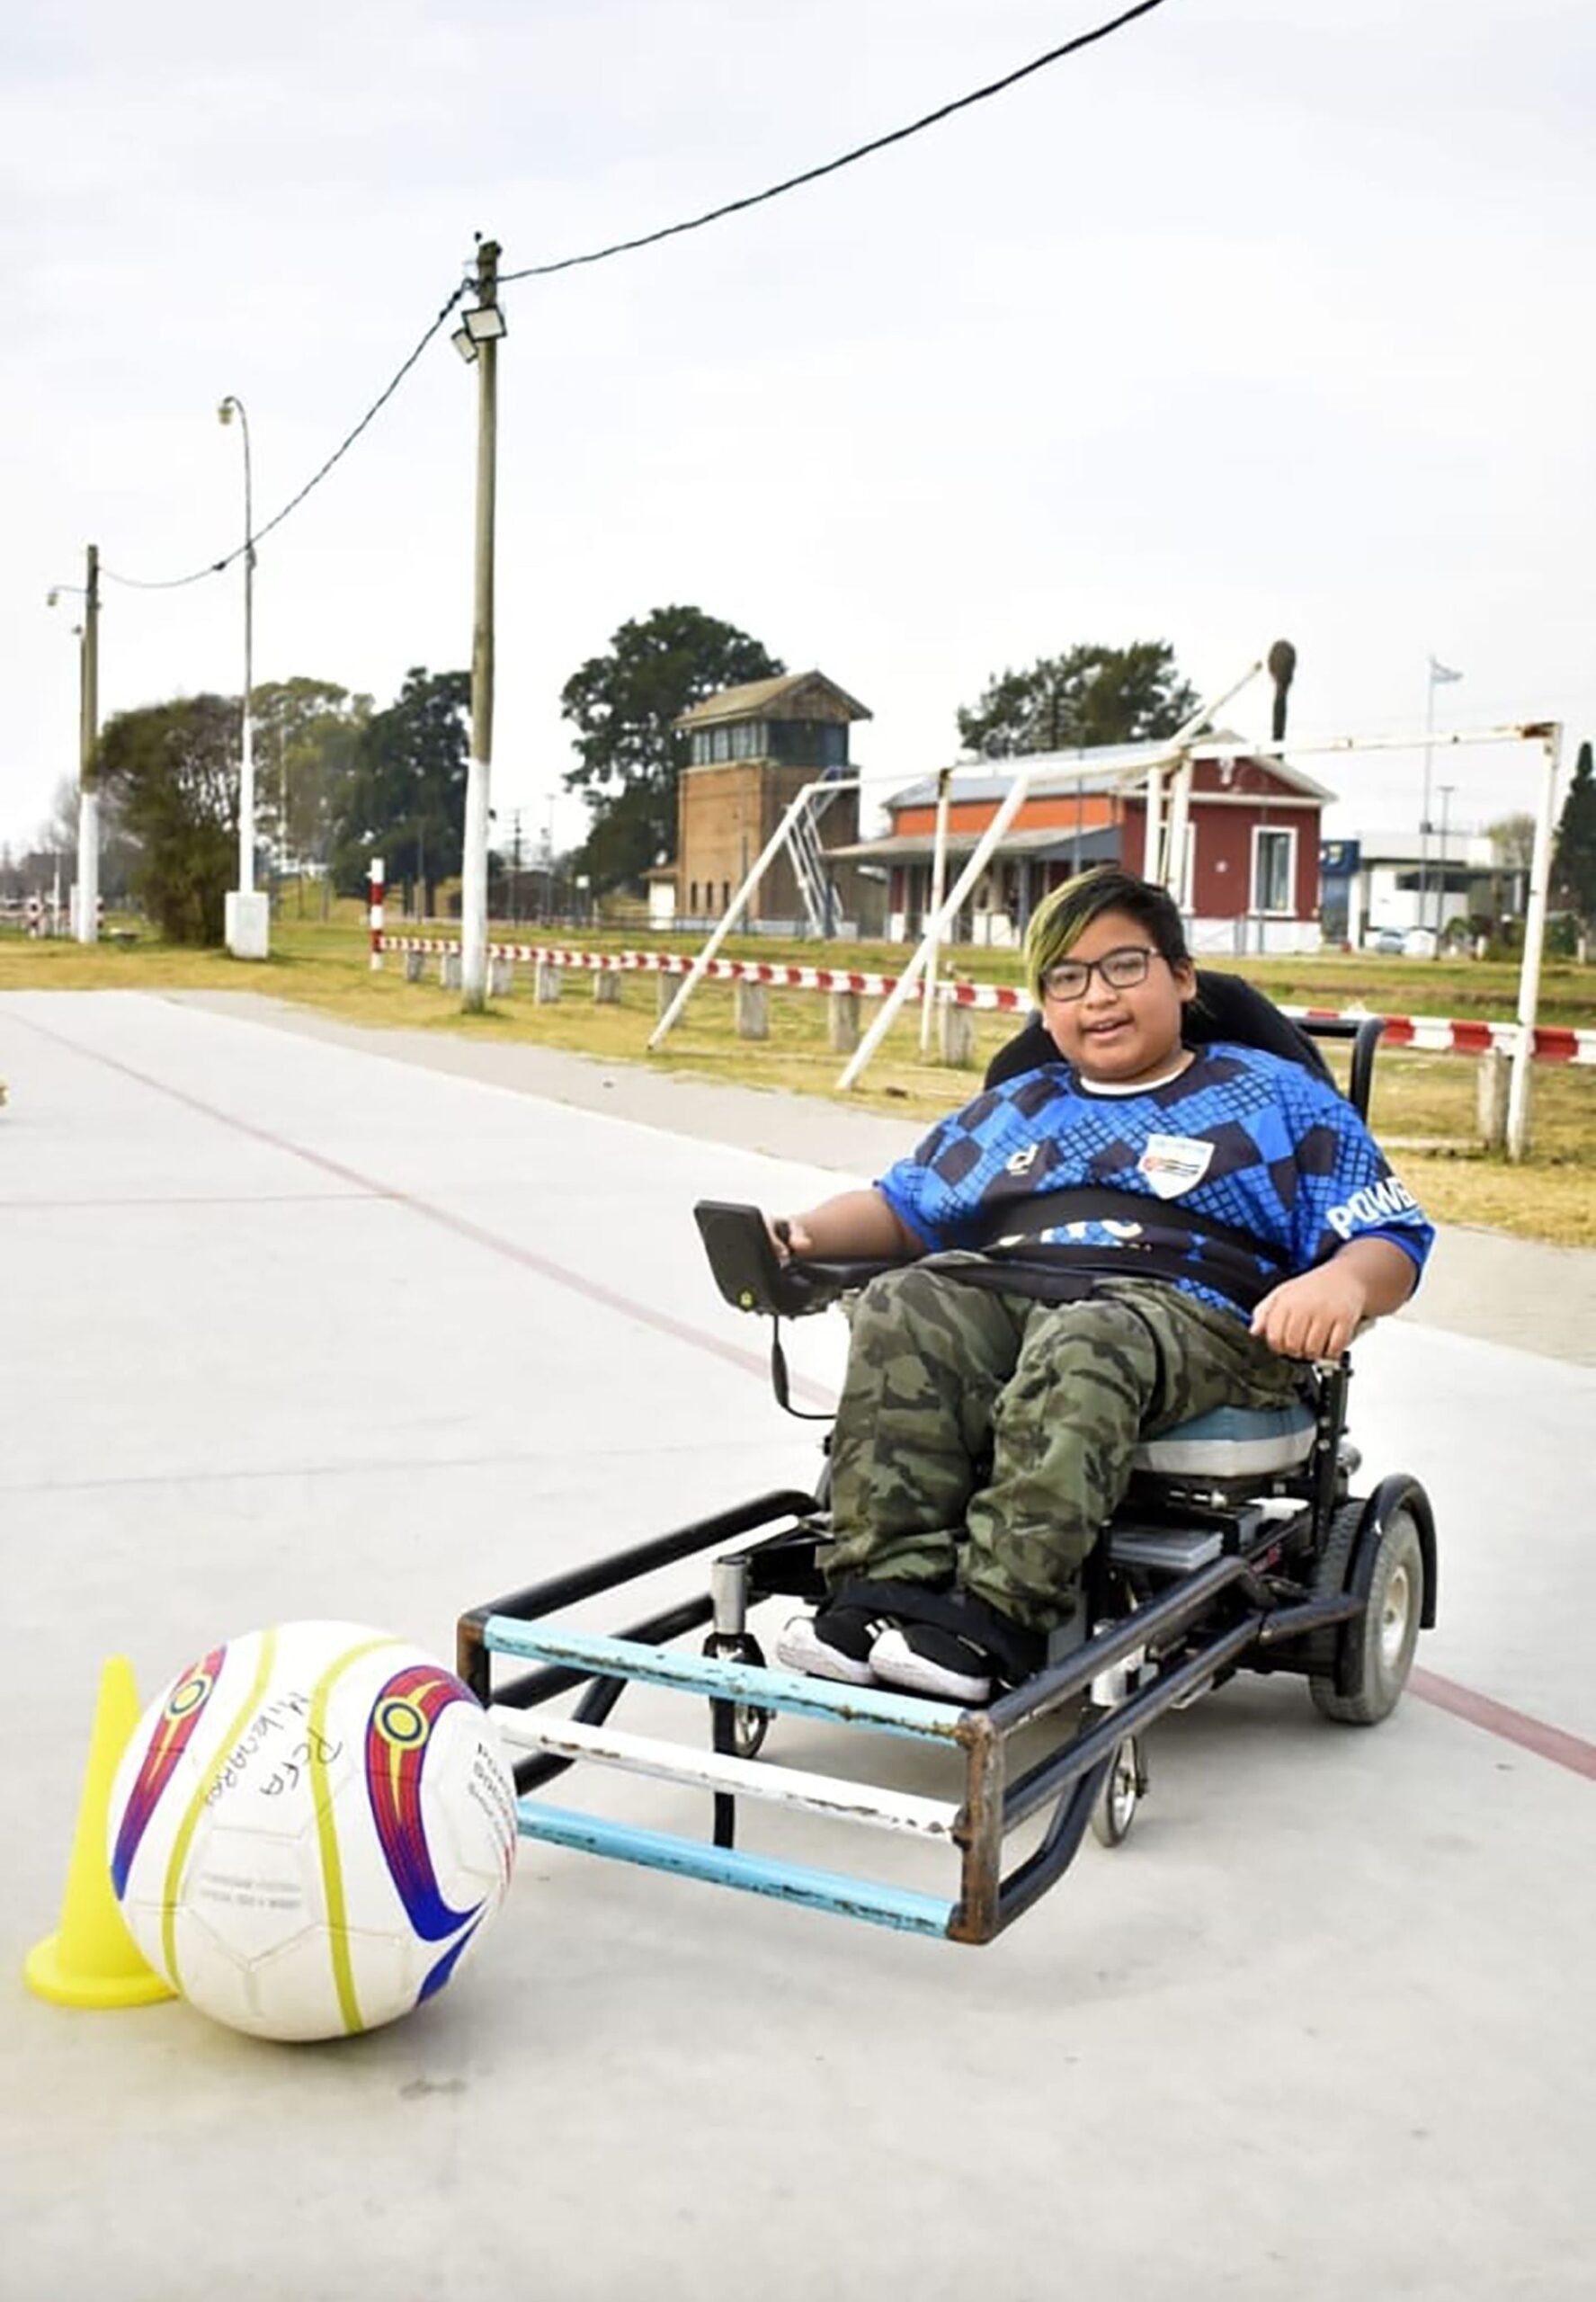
[374, 873]
[1427, 1034]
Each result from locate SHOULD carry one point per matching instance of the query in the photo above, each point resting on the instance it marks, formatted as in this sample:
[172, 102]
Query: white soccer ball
[310, 1830]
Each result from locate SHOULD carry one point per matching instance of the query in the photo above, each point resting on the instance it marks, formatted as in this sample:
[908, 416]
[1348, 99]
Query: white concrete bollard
[1490, 1092]
[751, 1010]
[956, 1035]
[665, 987]
[415, 965]
[548, 987]
[606, 989]
[449, 970]
[500, 978]
[842, 1021]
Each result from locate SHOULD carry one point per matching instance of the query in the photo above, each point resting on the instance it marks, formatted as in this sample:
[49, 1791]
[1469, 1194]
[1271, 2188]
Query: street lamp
[248, 914]
[1440, 676]
[87, 927]
[483, 323]
[1447, 790]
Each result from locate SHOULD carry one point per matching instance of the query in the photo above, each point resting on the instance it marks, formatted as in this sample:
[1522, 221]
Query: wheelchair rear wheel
[1373, 1656]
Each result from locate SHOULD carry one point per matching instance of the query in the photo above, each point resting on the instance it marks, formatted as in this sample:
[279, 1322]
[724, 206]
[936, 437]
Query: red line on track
[1534, 1734]
[558, 1274]
[1553, 1743]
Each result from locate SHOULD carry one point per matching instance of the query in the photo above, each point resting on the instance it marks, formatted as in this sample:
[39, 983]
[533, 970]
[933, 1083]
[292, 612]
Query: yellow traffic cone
[92, 1959]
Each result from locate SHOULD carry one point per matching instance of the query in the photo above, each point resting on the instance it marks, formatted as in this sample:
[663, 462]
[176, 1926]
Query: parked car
[1385, 938]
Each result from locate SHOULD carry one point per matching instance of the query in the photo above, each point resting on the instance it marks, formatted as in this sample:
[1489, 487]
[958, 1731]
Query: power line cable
[625, 247]
[846, 159]
[176, 582]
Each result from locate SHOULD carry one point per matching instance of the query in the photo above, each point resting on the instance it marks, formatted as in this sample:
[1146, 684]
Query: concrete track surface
[303, 1321]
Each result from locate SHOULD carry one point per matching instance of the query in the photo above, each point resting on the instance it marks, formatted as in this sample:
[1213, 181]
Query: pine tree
[1574, 856]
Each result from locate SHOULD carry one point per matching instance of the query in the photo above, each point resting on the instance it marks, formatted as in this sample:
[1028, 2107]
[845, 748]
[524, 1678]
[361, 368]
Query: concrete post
[548, 987]
[606, 987]
[1491, 1090]
[501, 977]
[751, 1010]
[414, 962]
[956, 1035]
[842, 1021]
[449, 970]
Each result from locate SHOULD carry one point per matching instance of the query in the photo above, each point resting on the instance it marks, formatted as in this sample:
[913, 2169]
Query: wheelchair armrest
[752, 1277]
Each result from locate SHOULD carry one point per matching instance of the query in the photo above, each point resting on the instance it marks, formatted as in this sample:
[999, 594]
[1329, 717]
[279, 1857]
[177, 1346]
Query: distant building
[753, 749]
[1398, 883]
[1253, 853]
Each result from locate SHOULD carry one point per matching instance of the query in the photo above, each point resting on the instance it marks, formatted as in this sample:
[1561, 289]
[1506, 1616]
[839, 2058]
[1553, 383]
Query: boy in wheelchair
[1103, 1247]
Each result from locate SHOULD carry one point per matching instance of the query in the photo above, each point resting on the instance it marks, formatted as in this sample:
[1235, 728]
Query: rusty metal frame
[1234, 1613]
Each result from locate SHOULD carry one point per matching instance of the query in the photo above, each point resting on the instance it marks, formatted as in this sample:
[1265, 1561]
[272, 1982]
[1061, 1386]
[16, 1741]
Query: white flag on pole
[1440, 675]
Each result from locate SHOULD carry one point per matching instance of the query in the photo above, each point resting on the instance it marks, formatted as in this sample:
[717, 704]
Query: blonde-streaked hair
[1063, 917]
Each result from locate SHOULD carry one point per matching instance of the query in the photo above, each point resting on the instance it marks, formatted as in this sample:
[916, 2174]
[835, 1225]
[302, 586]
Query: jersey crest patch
[1174, 1164]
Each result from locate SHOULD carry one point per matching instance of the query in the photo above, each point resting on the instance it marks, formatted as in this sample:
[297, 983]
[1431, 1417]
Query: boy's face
[1125, 1036]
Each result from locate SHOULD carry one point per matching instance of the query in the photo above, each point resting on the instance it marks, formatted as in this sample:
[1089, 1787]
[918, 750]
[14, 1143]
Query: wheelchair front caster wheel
[739, 1727]
[1116, 1802]
[749, 1730]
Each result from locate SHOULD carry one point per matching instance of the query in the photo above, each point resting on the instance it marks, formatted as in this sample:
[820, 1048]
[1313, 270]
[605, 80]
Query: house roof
[756, 697]
[1047, 842]
[1104, 767]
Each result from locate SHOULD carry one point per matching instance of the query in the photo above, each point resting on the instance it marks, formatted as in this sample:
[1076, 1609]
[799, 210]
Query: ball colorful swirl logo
[398, 1736]
[181, 1713]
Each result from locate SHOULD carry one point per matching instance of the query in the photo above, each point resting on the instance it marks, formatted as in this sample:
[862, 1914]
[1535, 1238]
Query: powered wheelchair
[1240, 1546]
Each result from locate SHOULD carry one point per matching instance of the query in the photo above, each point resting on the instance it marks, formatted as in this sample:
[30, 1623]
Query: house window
[692, 899]
[1274, 869]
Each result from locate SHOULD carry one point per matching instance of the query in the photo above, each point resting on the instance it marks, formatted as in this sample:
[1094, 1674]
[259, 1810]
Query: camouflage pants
[942, 1373]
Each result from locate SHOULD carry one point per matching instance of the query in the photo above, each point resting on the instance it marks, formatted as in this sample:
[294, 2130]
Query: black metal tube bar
[643, 1558]
[1313, 1614]
[1049, 1775]
[593, 1708]
[1168, 1612]
[1058, 1850]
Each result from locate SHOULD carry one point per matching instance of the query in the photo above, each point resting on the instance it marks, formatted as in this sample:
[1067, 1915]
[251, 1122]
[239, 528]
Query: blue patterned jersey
[1274, 1169]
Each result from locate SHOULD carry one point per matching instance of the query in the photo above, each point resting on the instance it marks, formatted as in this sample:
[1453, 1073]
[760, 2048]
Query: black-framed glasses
[1121, 970]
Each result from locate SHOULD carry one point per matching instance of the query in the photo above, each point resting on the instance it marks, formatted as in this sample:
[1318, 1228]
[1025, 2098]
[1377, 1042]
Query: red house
[1250, 876]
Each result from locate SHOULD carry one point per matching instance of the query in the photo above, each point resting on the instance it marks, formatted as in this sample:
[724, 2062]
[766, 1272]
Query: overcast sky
[1259, 319]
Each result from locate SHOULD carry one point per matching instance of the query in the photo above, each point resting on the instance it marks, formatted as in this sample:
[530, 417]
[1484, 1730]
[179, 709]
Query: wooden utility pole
[479, 771]
[88, 737]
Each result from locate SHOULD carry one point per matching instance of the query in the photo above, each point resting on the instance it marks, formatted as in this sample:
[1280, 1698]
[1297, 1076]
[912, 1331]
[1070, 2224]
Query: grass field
[1424, 1104]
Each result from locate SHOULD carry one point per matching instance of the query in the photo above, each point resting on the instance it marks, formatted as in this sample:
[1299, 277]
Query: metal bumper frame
[1236, 1610]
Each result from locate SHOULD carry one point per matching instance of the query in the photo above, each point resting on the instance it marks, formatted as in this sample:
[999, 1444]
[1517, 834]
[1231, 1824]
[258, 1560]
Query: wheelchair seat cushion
[1232, 1442]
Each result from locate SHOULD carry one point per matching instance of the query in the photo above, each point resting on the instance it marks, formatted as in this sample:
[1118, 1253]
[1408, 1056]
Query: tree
[625, 705]
[1574, 856]
[1088, 695]
[305, 736]
[404, 795]
[1513, 842]
[173, 770]
[58, 837]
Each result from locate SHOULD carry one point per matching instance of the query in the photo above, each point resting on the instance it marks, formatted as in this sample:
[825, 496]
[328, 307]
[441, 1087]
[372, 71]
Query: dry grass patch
[1421, 1102]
